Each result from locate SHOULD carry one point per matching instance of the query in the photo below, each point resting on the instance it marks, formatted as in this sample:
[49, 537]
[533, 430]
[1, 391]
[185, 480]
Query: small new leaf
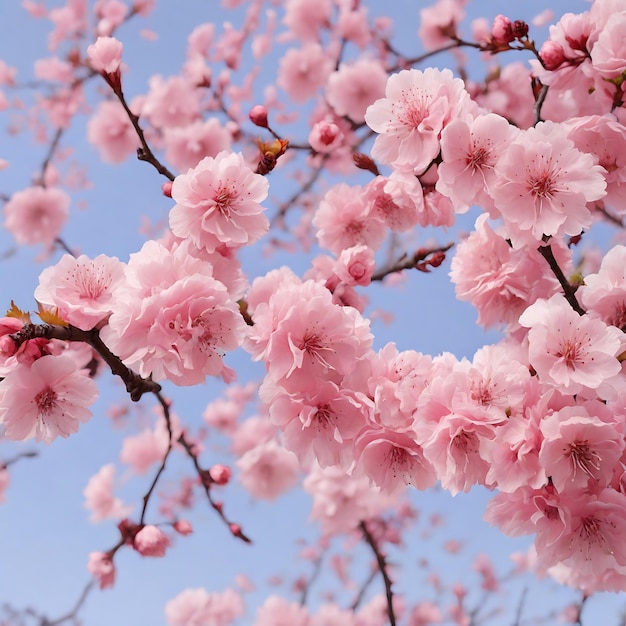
[50, 317]
[16, 312]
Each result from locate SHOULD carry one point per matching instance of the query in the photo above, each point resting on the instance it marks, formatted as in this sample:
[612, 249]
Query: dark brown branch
[144, 153]
[382, 566]
[135, 384]
[568, 289]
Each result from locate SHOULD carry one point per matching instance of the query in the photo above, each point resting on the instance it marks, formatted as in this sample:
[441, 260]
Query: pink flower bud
[502, 30]
[151, 541]
[183, 527]
[166, 188]
[258, 116]
[220, 474]
[552, 55]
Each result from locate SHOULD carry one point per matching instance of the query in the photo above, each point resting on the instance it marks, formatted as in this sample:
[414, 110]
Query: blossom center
[46, 401]
[583, 458]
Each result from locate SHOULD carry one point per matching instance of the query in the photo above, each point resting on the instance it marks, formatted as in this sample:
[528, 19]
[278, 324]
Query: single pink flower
[105, 55]
[81, 289]
[151, 541]
[99, 497]
[409, 120]
[568, 351]
[49, 399]
[218, 203]
[543, 184]
[36, 214]
[101, 567]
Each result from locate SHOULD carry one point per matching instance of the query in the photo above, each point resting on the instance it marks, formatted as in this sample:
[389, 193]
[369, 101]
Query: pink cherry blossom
[581, 447]
[608, 54]
[188, 145]
[341, 501]
[498, 280]
[409, 120]
[543, 184]
[604, 293]
[105, 55]
[344, 220]
[218, 203]
[151, 541]
[301, 72]
[36, 214]
[99, 497]
[142, 450]
[398, 201]
[570, 352]
[198, 607]
[267, 471]
[81, 289]
[438, 23]
[111, 132]
[353, 87]
[277, 611]
[355, 265]
[173, 319]
[101, 567]
[604, 137]
[470, 152]
[49, 399]
[392, 460]
[306, 18]
[315, 339]
[171, 102]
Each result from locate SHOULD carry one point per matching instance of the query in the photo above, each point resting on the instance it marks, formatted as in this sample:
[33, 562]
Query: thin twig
[382, 566]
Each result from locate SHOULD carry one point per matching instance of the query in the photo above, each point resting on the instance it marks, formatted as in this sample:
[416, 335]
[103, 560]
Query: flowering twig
[207, 481]
[420, 260]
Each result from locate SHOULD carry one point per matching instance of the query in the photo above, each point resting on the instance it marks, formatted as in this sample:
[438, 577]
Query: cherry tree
[237, 250]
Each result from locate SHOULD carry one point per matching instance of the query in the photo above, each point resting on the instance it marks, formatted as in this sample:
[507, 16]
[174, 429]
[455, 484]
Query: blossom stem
[568, 289]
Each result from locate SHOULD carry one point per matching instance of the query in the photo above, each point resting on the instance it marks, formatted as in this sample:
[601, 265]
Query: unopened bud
[220, 474]
[364, 162]
[166, 188]
[520, 29]
[258, 116]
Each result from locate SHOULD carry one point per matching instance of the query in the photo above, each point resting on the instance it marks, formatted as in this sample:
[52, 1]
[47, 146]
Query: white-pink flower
[409, 120]
[81, 289]
[49, 399]
[218, 203]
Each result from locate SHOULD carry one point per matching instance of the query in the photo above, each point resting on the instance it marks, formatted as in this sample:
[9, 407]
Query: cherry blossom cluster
[537, 152]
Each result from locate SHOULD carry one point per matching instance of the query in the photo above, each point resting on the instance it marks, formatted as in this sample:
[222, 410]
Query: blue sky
[46, 535]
